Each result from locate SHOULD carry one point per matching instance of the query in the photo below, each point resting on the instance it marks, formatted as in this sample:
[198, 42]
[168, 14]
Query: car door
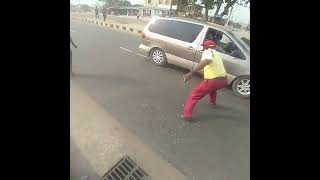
[232, 55]
[229, 51]
[185, 34]
[183, 47]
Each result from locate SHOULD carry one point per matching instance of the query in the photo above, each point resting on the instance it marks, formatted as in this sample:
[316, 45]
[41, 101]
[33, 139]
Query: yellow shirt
[216, 67]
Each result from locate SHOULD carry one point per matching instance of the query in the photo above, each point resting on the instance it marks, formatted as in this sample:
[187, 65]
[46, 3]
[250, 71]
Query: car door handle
[190, 48]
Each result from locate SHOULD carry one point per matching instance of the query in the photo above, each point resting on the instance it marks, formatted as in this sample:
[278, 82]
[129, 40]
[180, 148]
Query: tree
[230, 3]
[110, 3]
[208, 4]
[244, 3]
[218, 4]
[124, 3]
[181, 4]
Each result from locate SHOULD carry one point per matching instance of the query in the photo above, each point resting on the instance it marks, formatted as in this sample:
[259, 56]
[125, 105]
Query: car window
[224, 43]
[163, 27]
[183, 31]
[187, 31]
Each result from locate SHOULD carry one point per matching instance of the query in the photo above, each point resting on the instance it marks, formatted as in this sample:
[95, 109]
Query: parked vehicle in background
[177, 41]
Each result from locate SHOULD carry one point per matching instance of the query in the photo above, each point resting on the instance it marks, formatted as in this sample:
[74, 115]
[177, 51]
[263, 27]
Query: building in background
[159, 7]
[190, 9]
[161, 3]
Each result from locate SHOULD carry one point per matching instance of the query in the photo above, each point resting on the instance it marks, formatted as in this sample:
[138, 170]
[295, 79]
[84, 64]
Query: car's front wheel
[158, 57]
[241, 86]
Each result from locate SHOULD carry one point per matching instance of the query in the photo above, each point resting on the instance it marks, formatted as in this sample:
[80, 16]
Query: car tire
[241, 86]
[158, 57]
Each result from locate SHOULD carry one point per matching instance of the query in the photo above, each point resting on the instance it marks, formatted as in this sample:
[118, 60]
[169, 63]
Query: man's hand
[187, 77]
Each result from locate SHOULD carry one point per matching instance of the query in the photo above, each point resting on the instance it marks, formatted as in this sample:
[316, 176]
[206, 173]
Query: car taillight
[143, 35]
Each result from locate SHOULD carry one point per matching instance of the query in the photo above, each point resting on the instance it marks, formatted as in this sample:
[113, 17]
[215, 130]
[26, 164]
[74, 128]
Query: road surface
[148, 99]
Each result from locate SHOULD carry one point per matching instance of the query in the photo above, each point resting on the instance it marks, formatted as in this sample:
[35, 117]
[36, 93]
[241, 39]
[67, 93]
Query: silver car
[178, 41]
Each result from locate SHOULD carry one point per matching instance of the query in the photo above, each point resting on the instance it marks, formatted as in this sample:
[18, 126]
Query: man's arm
[201, 65]
[198, 67]
[205, 60]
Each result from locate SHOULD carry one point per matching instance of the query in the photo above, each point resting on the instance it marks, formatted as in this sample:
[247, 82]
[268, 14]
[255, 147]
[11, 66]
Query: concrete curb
[241, 34]
[116, 26]
[98, 141]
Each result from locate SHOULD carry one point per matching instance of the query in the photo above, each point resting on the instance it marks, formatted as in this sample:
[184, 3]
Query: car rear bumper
[144, 50]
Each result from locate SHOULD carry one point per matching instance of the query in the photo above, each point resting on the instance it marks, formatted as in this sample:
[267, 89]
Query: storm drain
[126, 169]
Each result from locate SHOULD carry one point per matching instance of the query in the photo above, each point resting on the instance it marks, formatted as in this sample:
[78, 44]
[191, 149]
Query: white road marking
[126, 49]
[132, 52]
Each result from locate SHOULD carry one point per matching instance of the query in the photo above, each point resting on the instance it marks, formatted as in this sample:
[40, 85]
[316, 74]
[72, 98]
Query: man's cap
[208, 43]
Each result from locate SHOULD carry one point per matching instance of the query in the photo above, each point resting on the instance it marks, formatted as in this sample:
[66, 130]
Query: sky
[240, 14]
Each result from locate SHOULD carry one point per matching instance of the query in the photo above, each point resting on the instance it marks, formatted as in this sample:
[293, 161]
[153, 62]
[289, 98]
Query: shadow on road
[221, 113]
[177, 68]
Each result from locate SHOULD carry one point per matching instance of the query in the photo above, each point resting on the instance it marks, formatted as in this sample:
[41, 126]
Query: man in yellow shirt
[215, 77]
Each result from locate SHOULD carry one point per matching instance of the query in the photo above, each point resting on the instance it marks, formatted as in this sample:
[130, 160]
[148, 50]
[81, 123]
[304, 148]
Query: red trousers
[206, 87]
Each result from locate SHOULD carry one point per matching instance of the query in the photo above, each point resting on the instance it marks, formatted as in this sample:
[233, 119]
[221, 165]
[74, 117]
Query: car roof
[202, 22]
[205, 23]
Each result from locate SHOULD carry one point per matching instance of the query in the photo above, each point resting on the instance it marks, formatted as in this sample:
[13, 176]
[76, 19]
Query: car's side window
[160, 26]
[183, 31]
[187, 32]
[224, 43]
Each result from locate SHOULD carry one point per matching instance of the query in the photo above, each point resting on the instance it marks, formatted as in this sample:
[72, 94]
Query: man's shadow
[220, 112]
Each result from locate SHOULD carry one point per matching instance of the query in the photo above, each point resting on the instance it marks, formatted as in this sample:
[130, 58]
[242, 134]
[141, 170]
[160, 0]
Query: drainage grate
[126, 169]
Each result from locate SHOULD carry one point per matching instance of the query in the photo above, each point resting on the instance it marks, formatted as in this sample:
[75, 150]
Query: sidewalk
[98, 141]
[116, 18]
[91, 14]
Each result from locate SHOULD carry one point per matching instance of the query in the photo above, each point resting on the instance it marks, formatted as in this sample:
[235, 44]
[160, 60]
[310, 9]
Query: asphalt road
[148, 99]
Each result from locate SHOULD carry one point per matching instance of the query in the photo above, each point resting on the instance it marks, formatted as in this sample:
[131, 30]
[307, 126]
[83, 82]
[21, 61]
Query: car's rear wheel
[158, 57]
[241, 86]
